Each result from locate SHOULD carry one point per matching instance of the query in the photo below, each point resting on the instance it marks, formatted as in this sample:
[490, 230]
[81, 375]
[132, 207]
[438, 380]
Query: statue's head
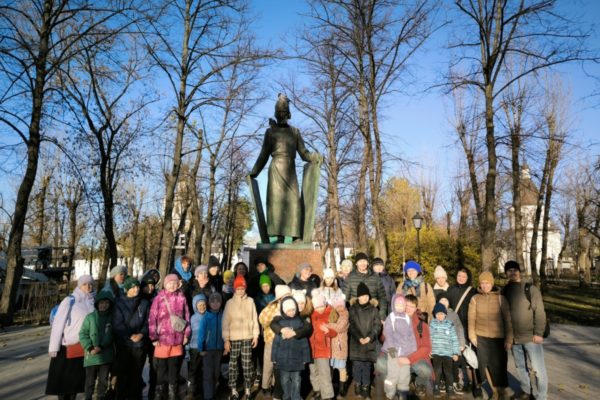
[282, 108]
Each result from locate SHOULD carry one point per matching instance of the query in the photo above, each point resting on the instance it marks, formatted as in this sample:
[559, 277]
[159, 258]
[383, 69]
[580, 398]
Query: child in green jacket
[96, 339]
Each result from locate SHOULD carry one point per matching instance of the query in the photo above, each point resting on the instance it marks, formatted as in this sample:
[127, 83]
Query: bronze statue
[289, 212]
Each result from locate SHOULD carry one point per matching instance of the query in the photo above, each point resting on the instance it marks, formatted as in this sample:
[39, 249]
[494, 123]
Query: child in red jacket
[320, 344]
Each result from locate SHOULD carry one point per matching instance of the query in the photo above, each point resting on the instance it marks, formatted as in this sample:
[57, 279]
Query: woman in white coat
[66, 375]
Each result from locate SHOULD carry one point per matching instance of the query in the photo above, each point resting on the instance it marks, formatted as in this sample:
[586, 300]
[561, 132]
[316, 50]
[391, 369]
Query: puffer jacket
[209, 334]
[65, 329]
[266, 317]
[240, 321]
[339, 344]
[320, 342]
[489, 316]
[399, 334]
[130, 317]
[444, 341]
[291, 354]
[364, 322]
[96, 331]
[196, 319]
[373, 282]
[423, 340]
[159, 322]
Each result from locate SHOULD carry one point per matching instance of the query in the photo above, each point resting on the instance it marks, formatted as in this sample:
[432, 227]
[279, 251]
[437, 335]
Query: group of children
[321, 330]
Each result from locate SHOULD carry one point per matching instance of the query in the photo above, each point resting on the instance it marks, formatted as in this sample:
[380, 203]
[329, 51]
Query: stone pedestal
[286, 257]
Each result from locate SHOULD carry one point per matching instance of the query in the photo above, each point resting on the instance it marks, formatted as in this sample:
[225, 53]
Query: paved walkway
[572, 356]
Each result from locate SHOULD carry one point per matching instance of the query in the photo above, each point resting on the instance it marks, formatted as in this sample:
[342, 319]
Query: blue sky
[417, 124]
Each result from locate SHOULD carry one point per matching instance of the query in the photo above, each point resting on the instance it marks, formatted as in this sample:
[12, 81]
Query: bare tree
[492, 33]
[38, 37]
[377, 38]
[209, 33]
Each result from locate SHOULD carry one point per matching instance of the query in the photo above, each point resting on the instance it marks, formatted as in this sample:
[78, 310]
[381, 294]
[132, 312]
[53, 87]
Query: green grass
[573, 305]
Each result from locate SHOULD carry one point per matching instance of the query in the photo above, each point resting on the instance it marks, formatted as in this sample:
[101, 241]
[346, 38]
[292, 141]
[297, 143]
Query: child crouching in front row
[290, 352]
[399, 342]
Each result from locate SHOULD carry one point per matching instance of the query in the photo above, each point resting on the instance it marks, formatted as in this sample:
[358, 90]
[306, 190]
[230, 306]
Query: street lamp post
[417, 221]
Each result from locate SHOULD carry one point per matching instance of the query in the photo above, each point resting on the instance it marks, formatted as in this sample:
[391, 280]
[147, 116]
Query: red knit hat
[239, 282]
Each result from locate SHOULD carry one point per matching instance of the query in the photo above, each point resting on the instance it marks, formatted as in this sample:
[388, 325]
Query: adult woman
[415, 285]
[460, 295]
[66, 375]
[130, 325]
[167, 335]
[490, 330]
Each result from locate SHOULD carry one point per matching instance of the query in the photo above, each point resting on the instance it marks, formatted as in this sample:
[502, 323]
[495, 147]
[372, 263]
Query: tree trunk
[515, 139]
[488, 228]
[208, 237]
[361, 215]
[134, 238]
[41, 206]
[14, 260]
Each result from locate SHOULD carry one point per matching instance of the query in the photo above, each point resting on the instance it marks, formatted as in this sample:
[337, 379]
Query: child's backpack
[55, 310]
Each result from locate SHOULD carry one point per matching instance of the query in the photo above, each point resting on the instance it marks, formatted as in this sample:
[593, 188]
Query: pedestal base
[285, 259]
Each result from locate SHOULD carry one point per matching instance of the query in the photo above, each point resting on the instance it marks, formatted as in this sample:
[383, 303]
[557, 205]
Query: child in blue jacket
[210, 344]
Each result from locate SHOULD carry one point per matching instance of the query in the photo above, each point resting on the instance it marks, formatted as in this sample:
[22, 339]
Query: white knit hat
[328, 273]
[281, 291]
[288, 304]
[440, 272]
[299, 295]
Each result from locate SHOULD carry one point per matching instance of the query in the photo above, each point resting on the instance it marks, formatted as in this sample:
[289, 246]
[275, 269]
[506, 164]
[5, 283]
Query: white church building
[529, 197]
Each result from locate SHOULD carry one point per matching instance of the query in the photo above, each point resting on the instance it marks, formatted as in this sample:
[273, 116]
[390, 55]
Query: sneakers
[421, 390]
[477, 392]
[234, 395]
[443, 385]
[457, 387]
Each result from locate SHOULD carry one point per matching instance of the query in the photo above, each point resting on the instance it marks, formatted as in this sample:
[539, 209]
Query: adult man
[419, 359]
[363, 273]
[528, 321]
[343, 272]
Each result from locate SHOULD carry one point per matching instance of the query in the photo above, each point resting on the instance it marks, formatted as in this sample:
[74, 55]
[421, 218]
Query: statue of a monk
[281, 142]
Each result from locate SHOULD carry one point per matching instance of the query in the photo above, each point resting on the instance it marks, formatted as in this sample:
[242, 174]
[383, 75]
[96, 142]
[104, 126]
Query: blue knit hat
[439, 307]
[412, 265]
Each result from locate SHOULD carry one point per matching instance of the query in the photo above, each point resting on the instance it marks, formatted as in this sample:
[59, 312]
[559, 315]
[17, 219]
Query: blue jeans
[530, 357]
[290, 382]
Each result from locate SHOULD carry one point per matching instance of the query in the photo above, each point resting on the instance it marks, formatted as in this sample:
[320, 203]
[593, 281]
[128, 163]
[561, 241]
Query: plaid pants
[245, 348]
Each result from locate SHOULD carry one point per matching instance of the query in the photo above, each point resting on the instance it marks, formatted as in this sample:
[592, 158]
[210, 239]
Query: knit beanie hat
[227, 275]
[264, 280]
[288, 304]
[298, 295]
[361, 256]
[130, 282]
[83, 279]
[442, 295]
[239, 281]
[487, 277]
[439, 308]
[412, 265]
[377, 261]
[119, 269]
[440, 272]
[511, 265]
[201, 269]
[302, 267]
[318, 300]
[328, 273]
[281, 291]
[362, 290]
[170, 278]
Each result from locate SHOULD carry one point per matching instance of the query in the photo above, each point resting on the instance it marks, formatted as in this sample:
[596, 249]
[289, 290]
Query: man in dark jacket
[363, 273]
[529, 321]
